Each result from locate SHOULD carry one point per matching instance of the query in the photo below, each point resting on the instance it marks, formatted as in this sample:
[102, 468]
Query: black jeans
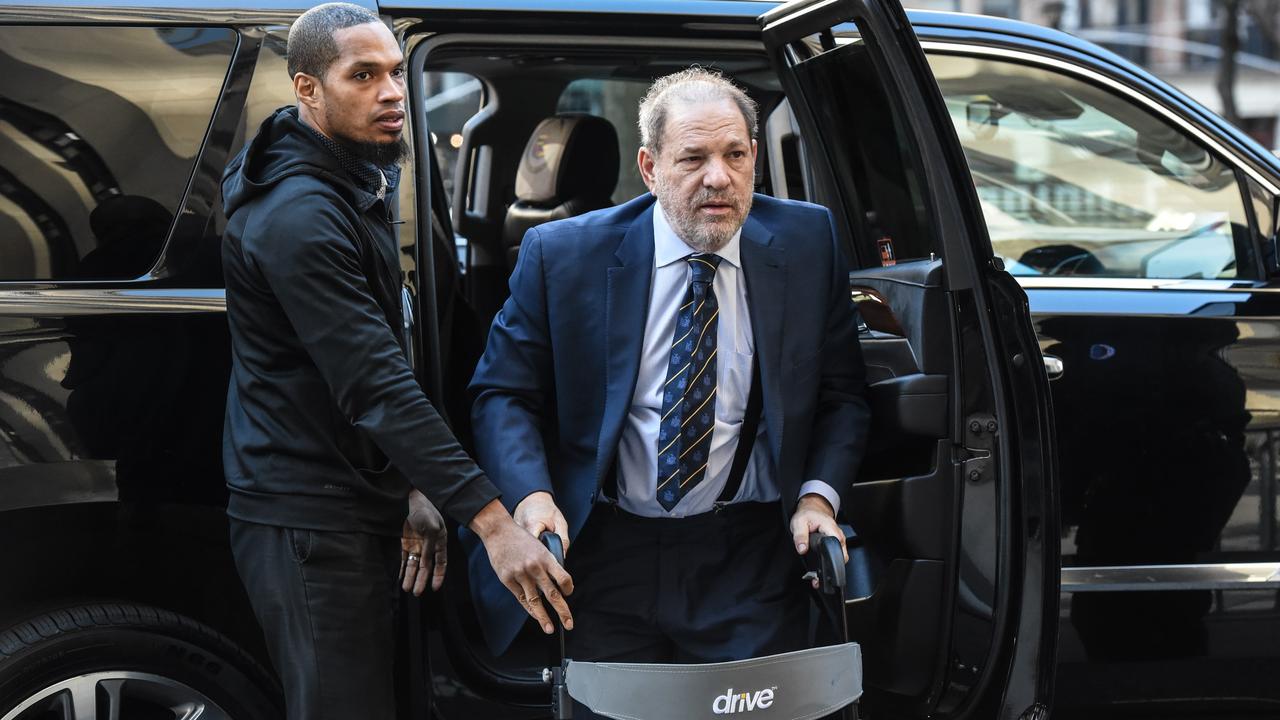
[327, 604]
[713, 587]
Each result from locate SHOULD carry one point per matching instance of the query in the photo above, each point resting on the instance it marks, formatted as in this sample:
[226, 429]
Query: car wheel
[128, 662]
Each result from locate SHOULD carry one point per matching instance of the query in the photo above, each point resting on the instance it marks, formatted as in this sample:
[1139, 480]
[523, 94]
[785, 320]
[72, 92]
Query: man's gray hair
[695, 85]
[311, 47]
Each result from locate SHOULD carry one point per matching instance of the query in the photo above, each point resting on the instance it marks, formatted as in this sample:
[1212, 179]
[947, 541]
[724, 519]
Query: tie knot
[704, 267]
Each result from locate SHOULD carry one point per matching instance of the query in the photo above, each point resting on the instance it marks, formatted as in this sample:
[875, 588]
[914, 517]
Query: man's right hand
[538, 513]
[524, 566]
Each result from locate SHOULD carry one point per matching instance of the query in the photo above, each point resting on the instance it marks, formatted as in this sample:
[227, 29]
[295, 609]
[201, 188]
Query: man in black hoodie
[326, 429]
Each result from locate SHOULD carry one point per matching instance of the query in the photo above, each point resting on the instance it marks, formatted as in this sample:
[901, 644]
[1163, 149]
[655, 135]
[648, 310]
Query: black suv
[118, 597]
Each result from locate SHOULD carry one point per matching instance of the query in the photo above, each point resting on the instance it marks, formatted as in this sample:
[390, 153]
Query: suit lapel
[626, 307]
[765, 265]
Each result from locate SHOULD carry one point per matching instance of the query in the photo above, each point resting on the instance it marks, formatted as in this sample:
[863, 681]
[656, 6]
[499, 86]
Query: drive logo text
[731, 702]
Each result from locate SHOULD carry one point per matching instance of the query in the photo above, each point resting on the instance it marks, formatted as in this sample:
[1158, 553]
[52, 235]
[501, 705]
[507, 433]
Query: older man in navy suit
[675, 387]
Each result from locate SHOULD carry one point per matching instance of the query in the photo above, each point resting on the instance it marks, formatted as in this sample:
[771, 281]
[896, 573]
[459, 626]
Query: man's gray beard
[701, 237]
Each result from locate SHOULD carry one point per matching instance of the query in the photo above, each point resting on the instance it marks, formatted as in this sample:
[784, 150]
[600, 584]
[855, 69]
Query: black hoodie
[326, 425]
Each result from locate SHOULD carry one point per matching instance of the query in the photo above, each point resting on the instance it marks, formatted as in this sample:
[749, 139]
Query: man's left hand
[815, 514]
[424, 546]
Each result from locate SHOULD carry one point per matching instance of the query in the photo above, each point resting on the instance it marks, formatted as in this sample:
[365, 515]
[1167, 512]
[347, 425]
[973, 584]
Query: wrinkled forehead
[706, 122]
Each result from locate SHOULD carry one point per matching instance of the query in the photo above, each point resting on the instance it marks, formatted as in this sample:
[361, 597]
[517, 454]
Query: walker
[801, 685]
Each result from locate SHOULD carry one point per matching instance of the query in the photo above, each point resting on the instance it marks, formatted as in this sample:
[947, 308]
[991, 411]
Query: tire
[132, 662]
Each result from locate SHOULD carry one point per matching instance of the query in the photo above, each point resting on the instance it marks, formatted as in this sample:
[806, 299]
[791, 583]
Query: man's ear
[754, 148]
[646, 162]
[308, 90]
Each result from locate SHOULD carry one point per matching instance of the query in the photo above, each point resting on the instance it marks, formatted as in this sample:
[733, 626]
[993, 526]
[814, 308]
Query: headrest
[569, 156]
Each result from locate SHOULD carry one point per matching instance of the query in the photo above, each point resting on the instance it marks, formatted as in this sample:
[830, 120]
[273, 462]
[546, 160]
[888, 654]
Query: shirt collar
[669, 248]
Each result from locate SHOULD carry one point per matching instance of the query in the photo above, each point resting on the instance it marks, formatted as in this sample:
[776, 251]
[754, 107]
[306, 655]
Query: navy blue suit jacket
[557, 377]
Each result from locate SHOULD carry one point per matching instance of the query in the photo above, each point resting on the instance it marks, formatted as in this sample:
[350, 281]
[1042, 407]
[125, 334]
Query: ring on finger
[413, 558]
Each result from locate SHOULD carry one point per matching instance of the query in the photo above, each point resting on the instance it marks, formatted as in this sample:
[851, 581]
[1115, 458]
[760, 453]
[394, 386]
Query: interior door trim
[1219, 576]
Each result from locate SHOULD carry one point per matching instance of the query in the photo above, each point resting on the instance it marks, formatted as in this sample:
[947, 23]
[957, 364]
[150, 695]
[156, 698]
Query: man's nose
[391, 91]
[716, 175]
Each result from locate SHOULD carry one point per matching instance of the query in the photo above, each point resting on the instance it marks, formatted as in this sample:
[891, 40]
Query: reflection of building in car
[1076, 181]
[80, 129]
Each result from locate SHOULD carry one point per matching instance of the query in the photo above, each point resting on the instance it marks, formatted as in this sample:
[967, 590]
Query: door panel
[1140, 246]
[1180, 470]
[897, 560]
[949, 553]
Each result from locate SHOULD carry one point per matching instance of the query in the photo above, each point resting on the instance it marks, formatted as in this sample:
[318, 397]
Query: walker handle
[552, 542]
[561, 703]
[828, 563]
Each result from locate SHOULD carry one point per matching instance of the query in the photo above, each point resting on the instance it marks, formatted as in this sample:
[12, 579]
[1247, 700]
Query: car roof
[231, 12]
[251, 10]
[930, 25]
[247, 11]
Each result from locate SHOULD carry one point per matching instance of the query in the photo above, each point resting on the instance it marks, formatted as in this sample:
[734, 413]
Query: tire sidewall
[132, 649]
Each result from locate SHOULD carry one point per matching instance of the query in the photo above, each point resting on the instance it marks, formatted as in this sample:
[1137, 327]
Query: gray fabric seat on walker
[801, 685]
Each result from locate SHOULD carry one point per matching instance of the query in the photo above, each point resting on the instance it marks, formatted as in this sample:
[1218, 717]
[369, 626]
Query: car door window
[452, 99]
[99, 131]
[1075, 180]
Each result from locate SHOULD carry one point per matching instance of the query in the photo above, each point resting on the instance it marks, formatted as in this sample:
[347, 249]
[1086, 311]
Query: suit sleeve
[513, 382]
[314, 272]
[843, 419]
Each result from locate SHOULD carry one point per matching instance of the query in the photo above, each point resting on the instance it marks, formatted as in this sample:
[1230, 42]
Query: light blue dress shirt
[638, 445]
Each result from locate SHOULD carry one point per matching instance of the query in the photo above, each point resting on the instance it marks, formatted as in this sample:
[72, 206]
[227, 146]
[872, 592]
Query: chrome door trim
[1223, 576]
[1164, 111]
[168, 12]
[1115, 283]
[64, 302]
[1128, 578]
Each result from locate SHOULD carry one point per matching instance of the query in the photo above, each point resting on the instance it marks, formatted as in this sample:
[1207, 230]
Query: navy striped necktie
[688, 398]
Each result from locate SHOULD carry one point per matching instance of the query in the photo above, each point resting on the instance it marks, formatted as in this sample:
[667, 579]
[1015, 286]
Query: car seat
[569, 167]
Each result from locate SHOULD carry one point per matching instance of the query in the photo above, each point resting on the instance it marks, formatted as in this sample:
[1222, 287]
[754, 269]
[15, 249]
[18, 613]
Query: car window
[870, 164]
[1075, 180]
[99, 131]
[615, 101]
[453, 98]
[271, 88]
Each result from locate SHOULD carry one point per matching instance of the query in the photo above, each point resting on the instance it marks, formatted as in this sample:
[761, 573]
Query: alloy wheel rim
[107, 695]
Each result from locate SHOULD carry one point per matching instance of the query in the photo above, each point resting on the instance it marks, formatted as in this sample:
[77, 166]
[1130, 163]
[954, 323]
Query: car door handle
[1053, 366]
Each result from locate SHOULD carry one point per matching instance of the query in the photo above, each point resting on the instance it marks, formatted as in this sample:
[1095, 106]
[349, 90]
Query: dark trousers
[327, 604]
[719, 586]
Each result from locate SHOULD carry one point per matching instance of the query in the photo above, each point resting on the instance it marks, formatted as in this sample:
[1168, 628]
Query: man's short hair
[311, 47]
[694, 85]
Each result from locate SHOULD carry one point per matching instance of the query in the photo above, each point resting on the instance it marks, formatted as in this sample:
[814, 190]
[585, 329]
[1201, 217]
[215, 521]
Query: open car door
[954, 590]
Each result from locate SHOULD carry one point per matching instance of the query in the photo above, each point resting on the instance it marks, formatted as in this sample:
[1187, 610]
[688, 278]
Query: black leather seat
[569, 167]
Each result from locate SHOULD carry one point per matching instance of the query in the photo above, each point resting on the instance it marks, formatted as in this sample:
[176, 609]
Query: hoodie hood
[284, 147]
